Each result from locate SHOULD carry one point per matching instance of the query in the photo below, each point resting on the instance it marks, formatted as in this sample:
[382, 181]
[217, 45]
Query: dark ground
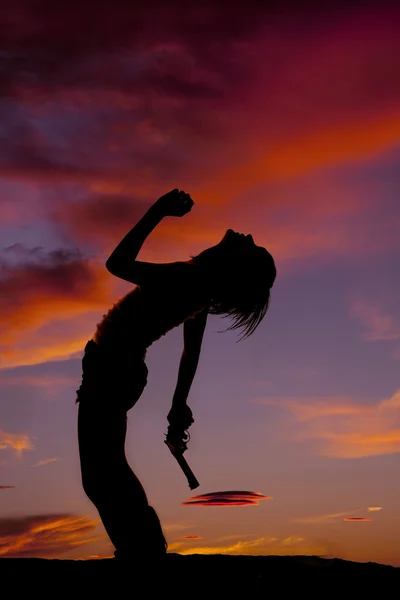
[208, 577]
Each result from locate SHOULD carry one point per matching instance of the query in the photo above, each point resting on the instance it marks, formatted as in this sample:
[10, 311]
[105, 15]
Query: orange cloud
[192, 537]
[44, 536]
[15, 441]
[330, 147]
[317, 520]
[344, 428]
[172, 527]
[45, 461]
[264, 545]
[374, 508]
[357, 519]
[333, 146]
[291, 540]
[333, 518]
[227, 499]
[40, 290]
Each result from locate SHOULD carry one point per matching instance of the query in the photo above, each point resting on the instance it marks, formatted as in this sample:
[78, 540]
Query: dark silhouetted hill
[195, 576]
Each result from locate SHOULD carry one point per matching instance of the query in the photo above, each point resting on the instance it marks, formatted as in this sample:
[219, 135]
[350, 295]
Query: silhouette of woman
[232, 279]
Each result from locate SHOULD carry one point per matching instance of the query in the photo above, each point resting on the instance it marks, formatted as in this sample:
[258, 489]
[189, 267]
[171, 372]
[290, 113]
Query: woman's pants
[110, 387]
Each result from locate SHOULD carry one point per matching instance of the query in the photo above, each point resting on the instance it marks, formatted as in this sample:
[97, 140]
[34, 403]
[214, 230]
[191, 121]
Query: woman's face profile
[234, 239]
[235, 250]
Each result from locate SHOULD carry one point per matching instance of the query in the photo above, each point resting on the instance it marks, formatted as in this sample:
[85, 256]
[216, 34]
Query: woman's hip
[111, 381]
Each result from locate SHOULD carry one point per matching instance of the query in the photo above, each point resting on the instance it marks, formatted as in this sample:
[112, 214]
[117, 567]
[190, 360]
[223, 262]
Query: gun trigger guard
[177, 442]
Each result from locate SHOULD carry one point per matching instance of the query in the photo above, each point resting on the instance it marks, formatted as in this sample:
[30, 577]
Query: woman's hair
[243, 288]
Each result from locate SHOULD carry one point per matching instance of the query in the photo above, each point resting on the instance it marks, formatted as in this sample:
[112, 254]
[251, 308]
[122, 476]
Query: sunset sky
[280, 122]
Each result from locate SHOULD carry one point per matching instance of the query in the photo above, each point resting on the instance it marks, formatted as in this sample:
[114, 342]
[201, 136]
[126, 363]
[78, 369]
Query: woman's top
[145, 314]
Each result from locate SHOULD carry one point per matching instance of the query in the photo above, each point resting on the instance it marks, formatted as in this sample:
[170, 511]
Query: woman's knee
[98, 482]
[92, 486]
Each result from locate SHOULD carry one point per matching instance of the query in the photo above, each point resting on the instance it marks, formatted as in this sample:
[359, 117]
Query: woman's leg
[109, 482]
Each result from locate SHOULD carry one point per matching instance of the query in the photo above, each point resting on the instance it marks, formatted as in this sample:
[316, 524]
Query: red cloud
[162, 93]
[192, 537]
[27, 273]
[45, 536]
[227, 499]
[100, 215]
[357, 519]
[6, 487]
[177, 101]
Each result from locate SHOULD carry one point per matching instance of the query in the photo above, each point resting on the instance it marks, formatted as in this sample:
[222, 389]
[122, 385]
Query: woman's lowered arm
[193, 331]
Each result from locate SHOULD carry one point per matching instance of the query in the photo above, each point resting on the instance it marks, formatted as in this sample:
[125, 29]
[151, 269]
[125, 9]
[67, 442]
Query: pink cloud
[377, 323]
[231, 498]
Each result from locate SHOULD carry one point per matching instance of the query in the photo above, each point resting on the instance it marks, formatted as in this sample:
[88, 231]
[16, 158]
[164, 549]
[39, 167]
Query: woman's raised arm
[175, 204]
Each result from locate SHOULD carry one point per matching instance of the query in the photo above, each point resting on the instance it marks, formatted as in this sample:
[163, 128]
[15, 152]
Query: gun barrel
[192, 481]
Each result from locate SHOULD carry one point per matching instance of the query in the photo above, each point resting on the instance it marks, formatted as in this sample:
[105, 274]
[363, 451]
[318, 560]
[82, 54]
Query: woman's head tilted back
[241, 275]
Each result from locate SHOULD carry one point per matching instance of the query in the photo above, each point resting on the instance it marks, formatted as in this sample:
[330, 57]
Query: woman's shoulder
[174, 274]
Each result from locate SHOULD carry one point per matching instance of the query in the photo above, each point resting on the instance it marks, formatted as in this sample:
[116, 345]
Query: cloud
[48, 381]
[227, 499]
[144, 84]
[334, 518]
[323, 519]
[343, 428]
[92, 133]
[172, 527]
[182, 94]
[45, 461]
[374, 508]
[192, 537]
[241, 536]
[378, 326]
[44, 536]
[97, 556]
[46, 54]
[6, 487]
[16, 442]
[357, 519]
[39, 290]
[239, 547]
[49, 384]
[263, 545]
[291, 540]
[97, 215]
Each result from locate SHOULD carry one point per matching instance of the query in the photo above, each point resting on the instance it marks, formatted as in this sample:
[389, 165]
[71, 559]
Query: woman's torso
[147, 313]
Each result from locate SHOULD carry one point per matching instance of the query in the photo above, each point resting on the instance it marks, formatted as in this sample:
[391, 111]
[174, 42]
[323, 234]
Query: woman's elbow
[112, 267]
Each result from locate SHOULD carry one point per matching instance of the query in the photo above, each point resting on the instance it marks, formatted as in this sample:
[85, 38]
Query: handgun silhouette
[177, 443]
